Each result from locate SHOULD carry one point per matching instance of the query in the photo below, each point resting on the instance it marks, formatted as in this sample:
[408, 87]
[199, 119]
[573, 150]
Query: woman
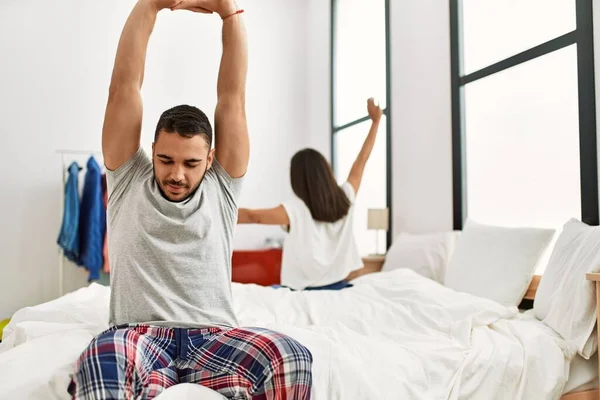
[320, 250]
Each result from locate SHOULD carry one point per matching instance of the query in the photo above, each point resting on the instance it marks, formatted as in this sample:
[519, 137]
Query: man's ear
[153, 150]
[210, 158]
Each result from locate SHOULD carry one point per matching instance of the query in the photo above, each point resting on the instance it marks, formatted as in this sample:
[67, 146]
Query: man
[171, 222]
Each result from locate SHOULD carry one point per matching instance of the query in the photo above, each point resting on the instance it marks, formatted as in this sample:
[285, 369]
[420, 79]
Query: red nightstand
[262, 267]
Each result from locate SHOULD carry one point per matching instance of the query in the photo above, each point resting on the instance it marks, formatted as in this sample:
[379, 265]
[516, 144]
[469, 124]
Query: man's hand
[375, 112]
[162, 4]
[221, 7]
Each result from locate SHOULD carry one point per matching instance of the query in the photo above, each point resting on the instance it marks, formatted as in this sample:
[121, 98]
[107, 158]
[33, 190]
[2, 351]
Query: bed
[393, 335]
[433, 324]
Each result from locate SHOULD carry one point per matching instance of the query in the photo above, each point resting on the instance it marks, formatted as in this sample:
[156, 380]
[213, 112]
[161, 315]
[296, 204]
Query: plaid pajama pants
[139, 362]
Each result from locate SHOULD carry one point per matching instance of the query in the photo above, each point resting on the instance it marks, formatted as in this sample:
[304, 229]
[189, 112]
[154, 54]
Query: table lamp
[378, 219]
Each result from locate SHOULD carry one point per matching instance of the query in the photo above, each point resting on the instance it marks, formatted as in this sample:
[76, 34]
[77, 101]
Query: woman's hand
[374, 110]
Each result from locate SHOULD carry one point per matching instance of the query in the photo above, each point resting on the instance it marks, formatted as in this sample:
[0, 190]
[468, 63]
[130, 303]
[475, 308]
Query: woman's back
[320, 249]
[318, 253]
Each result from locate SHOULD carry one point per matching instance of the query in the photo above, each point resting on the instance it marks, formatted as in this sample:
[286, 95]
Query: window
[360, 65]
[523, 100]
[495, 30]
[522, 143]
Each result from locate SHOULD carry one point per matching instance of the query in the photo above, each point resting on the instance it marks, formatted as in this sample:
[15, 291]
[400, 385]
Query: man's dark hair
[185, 120]
[313, 181]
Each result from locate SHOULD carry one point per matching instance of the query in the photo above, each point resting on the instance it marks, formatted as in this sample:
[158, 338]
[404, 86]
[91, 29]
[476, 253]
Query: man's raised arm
[232, 145]
[123, 119]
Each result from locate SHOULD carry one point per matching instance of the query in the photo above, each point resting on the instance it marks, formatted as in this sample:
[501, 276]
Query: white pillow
[426, 254]
[496, 262]
[565, 300]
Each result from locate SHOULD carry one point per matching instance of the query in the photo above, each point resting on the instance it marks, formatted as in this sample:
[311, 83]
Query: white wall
[421, 116]
[54, 75]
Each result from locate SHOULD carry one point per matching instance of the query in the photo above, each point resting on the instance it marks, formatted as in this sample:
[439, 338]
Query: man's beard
[178, 184]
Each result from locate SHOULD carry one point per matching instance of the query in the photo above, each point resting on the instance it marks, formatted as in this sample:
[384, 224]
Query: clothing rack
[65, 161]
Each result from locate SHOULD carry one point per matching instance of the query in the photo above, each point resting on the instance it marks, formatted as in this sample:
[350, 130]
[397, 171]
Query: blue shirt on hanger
[68, 238]
[92, 221]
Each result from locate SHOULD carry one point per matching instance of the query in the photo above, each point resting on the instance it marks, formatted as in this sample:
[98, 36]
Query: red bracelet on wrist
[231, 15]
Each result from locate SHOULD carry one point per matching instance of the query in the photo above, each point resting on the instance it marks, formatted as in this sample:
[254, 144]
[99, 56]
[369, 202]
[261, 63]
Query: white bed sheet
[393, 335]
[583, 374]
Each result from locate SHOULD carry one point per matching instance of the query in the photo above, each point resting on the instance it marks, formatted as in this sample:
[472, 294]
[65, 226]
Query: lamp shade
[378, 218]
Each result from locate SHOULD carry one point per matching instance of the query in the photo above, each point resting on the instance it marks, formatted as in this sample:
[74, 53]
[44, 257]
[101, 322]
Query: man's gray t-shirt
[170, 262]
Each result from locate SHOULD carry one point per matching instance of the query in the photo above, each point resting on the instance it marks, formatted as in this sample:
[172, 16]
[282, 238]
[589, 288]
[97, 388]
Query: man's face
[180, 164]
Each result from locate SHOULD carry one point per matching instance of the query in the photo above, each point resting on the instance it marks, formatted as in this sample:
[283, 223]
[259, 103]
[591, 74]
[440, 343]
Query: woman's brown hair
[313, 181]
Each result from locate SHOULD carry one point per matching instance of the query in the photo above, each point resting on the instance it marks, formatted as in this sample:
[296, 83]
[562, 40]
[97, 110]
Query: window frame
[337, 129]
[583, 37]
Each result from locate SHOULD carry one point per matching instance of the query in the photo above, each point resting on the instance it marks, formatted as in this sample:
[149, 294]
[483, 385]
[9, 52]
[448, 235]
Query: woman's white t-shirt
[318, 253]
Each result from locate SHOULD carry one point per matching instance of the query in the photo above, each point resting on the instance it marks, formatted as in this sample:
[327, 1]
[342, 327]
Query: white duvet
[394, 335]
